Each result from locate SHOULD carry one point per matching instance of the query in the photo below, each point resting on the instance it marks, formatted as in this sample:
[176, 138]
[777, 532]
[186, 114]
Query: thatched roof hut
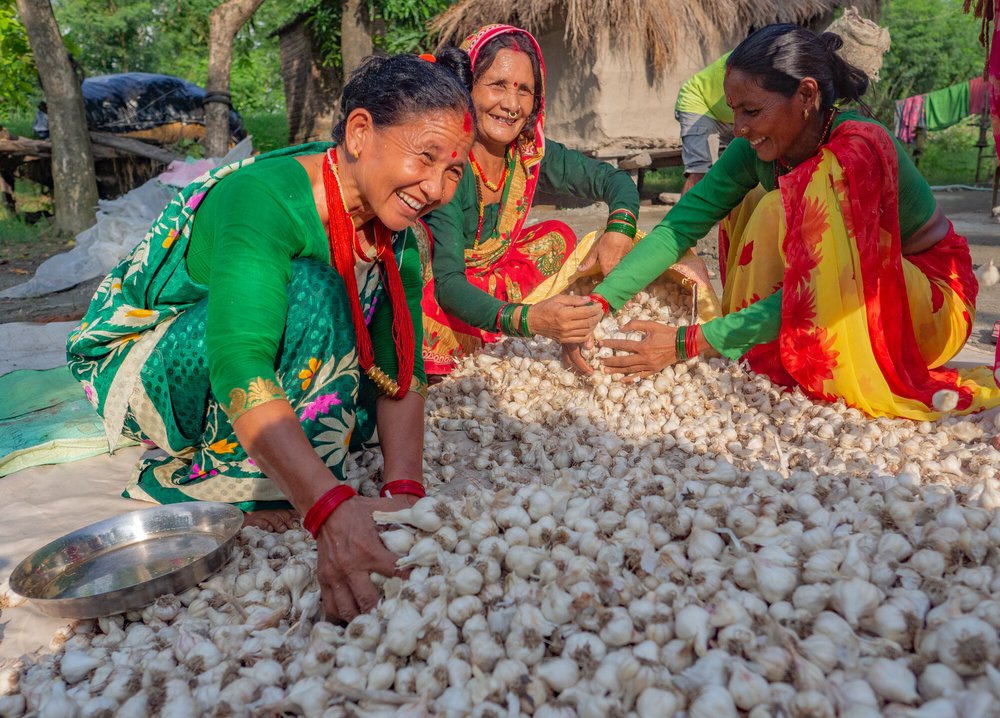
[614, 68]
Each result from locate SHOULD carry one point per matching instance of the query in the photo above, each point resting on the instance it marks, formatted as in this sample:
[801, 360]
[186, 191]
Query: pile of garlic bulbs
[701, 544]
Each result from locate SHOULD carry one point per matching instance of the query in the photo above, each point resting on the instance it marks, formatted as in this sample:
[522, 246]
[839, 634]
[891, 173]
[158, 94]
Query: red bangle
[598, 299]
[403, 486]
[326, 505]
[691, 341]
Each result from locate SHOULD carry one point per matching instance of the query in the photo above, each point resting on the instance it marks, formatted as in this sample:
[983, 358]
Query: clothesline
[940, 109]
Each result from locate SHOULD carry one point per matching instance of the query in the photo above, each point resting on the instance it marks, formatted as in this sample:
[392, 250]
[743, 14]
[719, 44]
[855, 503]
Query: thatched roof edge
[661, 25]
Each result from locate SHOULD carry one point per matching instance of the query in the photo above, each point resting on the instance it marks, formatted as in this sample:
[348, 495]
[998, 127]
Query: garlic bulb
[967, 645]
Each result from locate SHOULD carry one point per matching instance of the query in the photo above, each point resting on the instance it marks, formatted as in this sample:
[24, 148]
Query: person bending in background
[701, 108]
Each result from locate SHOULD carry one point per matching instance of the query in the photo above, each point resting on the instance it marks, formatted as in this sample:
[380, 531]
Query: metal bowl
[126, 562]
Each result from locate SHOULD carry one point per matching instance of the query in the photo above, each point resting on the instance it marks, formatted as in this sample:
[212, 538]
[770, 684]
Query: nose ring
[743, 131]
[513, 115]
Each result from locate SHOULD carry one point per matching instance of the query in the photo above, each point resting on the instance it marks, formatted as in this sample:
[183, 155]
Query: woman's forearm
[401, 436]
[274, 439]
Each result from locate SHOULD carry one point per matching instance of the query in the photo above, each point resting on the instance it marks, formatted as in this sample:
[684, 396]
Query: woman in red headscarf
[491, 274]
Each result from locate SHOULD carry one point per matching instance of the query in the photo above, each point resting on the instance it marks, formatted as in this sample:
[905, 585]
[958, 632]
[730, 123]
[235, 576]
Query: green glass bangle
[507, 320]
[622, 227]
[525, 332]
[679, 346]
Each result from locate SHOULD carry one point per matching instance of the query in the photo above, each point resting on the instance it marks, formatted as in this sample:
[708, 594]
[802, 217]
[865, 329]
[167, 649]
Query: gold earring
[356, 153]
[805, 113]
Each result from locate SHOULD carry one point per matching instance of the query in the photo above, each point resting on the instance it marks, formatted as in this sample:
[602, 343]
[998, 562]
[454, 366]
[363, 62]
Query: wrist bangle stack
[512, 320]
[691, 341]
[402, 486]
[680, 343]
[623, 221]
[598, 299]
[326, 505]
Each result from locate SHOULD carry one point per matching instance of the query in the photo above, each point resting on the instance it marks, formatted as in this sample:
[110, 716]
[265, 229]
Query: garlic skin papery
[699, 543]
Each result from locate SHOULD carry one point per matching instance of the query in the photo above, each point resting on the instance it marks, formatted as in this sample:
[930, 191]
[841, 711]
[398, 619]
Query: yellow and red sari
[859, 320]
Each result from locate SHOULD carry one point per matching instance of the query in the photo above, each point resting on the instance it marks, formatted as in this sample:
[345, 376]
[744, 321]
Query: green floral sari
[140, 354]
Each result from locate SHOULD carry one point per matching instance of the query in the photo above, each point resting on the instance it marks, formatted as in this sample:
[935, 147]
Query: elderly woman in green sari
[270, 321]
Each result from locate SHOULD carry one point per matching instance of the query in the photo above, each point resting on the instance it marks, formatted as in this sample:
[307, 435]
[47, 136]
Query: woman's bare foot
[277, 520]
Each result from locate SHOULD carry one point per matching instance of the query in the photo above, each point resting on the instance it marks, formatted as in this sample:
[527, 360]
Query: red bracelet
[691, 341]
[403, 486]
[598, 299]
[326, 505]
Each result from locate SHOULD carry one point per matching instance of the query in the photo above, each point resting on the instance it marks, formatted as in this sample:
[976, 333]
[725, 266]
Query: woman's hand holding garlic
[350, 550]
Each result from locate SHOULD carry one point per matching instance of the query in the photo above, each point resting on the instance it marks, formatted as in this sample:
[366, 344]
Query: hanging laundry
[909, 116]
[947, 106]
[979, 95]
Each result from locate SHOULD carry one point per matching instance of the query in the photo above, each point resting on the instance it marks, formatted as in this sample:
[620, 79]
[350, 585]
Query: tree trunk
[74, 182]
[224, 22]
[355, 35]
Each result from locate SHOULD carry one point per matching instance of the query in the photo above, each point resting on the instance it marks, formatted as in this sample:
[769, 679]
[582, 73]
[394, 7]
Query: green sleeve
[383, 344]
[723, 188]
[568, 172]
[737, 333]
[251, 265]
[450, 227]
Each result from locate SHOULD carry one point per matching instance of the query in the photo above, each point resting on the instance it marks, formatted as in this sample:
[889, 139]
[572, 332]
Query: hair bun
[457, 63]
[831, 41]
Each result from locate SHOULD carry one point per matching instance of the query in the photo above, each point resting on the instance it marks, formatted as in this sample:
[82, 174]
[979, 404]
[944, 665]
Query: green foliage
[665, 179]
[950, 155]
[19, 121]
[934, 45]
[171, 37]
[397, 25]
[17, 67]
[269, 130]
[15, 230]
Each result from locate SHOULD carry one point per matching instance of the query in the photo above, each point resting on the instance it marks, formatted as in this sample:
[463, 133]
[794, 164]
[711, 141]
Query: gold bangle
[382, 380]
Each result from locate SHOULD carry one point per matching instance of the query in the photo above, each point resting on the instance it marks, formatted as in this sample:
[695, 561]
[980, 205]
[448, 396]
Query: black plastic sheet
[134, 101]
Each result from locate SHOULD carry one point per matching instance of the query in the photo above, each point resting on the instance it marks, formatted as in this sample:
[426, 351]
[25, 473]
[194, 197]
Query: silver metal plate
[128, 561]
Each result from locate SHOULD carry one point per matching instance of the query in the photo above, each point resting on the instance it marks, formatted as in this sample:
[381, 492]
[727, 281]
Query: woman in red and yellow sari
[488, 273]
[841, 275]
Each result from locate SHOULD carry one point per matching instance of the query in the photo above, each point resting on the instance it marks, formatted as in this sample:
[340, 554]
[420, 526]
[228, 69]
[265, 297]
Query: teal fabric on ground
[69, 431]
[46, 419]
[28, 390]
[946, 107]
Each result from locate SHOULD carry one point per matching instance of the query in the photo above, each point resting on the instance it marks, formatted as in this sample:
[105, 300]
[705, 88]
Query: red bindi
[454, 154]
[515, 85]
[467, 122]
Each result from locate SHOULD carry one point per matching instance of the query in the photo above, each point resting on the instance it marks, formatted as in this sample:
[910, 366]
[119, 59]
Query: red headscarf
[530, 151]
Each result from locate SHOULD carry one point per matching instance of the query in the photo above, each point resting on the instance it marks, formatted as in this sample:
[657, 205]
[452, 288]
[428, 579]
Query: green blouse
[246, 233]
[736, 173]
[563, 171]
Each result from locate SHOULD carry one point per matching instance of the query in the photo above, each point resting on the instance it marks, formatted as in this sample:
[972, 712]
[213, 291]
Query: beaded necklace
[482, 175]
[785, 168]
[480, 198]
[341, 228]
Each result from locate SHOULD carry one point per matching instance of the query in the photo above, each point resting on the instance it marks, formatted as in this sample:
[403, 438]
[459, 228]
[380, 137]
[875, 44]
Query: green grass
[950, 156]
[19, 124]
[269, 130]
[14, 230]
[667, 179]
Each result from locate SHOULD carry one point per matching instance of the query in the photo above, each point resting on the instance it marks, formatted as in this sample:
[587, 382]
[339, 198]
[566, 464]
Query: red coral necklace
[344, 243]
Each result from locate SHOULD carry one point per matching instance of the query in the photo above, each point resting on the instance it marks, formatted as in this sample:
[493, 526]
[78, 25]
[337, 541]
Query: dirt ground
[969, 210]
